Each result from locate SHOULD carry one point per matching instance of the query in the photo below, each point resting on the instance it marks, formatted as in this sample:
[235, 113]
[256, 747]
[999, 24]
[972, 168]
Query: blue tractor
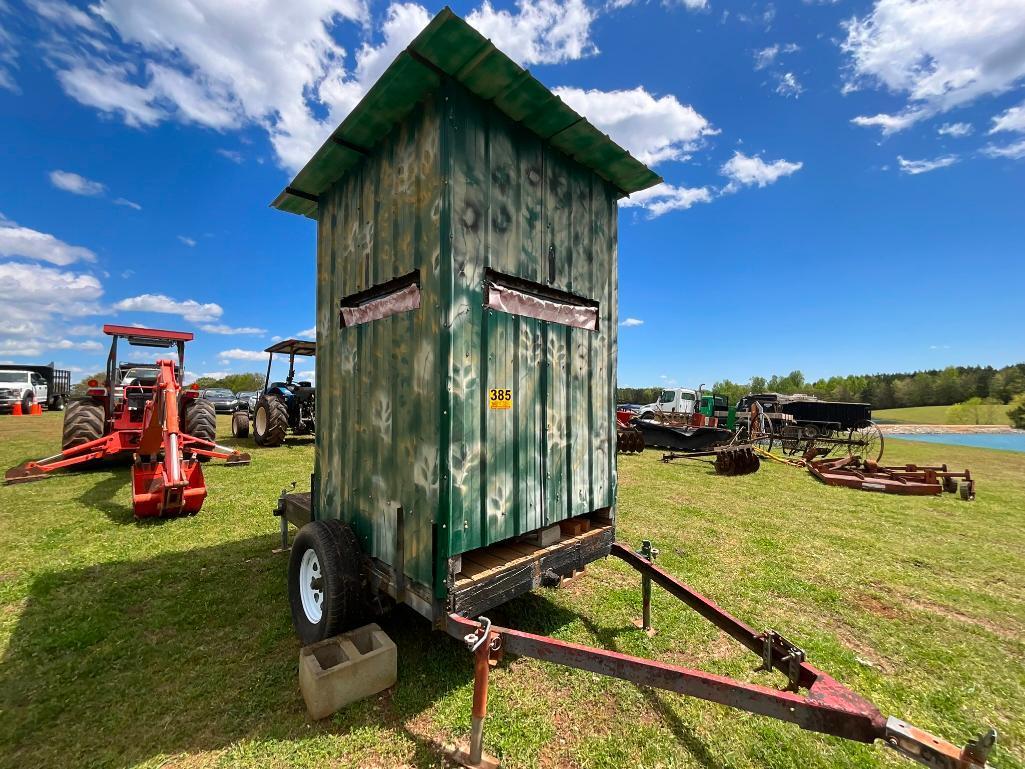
[282, 407]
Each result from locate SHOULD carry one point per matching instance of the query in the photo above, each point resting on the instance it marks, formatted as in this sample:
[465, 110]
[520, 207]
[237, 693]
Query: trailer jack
[825, 706]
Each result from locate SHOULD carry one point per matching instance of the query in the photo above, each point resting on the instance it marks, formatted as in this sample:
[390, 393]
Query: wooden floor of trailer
[485, 563]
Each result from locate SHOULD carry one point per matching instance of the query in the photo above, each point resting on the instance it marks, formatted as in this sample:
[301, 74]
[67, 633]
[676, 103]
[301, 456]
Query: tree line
[936, 387]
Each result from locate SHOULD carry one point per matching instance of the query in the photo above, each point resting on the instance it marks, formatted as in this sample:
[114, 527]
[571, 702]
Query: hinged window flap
[395, 296]
[520, 297]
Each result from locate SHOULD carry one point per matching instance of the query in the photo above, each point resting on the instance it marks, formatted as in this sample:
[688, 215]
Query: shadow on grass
[190, 651]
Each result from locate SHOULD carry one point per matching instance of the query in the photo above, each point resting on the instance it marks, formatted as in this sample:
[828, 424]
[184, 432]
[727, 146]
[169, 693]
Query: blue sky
[845, 181]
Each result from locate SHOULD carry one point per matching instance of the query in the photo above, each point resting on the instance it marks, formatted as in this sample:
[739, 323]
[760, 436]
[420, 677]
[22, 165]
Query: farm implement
[914, 480]
[727, 460]
[142, 410]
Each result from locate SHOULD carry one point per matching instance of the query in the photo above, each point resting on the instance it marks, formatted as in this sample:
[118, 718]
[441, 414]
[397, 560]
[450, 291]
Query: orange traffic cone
[36, 409]
[16, 410]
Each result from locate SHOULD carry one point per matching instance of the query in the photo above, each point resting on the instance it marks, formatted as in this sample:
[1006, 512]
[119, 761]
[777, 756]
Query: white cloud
[631, 322]
[889, 124]
[1012, 119]
[1015, 151]
[127, 203]
[32, 244]
[765, 57]
[8, 60]
[956, 130]
[663, 198]
[190, 242]
[939, 54]
[219, 64]
[35, 293]
[539, 31]
[236, 354]
[652, 129]
[307, 333]
[788, 85]
[233, 155]
[75, 184]
[745, 170]
[220, 328]
[915, 167]
[189, 309]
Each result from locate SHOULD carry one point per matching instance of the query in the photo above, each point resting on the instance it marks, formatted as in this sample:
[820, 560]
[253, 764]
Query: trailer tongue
[811, 699]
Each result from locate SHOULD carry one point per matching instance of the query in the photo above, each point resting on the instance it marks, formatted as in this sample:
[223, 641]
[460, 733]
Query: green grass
[932, 415]
[168, 643]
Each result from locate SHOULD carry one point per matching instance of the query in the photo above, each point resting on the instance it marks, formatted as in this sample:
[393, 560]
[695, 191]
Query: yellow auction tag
[500, 398]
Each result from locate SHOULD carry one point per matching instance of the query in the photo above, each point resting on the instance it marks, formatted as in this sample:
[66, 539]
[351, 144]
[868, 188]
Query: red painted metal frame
[148, 333]
[167, 478]
[827, 706]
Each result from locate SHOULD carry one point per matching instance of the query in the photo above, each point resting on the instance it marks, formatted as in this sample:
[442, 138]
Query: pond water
[1005, 441]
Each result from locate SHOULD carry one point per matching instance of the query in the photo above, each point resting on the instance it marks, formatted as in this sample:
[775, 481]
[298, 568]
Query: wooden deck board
[486, 562]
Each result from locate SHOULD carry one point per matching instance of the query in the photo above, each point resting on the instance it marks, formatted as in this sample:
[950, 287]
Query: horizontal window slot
[533, 300]
[381, 301]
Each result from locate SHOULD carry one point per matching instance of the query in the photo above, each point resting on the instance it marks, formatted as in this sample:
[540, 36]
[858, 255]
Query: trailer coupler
[825, 706]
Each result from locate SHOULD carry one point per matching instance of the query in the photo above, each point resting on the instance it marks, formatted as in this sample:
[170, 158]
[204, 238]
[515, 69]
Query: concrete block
[338, 671]
[543, 537]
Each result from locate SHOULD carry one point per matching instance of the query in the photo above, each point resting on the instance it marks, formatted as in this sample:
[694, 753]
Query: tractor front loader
[142, 410]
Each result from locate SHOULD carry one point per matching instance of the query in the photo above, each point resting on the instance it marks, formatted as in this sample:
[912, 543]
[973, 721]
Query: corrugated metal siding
[524, 209]
[378, 401]
[403, 418]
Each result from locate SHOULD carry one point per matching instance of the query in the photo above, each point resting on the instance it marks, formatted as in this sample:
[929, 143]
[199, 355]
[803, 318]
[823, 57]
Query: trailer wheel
[324, 585]
[201, 422]
[83, 422]
[57, 403]
[270, 422]
[240, 424]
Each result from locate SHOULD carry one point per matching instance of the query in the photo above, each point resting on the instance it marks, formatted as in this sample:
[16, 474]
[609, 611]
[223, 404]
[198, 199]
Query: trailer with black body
[800, 424]
[26, 384]
[465, 444]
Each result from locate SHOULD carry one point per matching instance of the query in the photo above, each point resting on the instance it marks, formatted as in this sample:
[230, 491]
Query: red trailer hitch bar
[812, 699]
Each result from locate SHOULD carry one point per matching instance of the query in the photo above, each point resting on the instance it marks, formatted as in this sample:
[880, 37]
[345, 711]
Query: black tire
[240, 424]
[84, 421]
[337, 555]
[26, 402]
[56, 403]
[270, 421]
[200, 422]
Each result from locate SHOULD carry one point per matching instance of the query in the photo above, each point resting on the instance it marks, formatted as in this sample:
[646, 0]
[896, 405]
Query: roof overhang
[148, 337]
[449, 47]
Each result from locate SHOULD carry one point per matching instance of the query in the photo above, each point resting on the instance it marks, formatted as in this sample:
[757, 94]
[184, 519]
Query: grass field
[931, 415]
[168, 643]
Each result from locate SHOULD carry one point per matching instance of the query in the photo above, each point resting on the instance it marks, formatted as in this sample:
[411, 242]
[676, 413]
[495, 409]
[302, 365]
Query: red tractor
[142, 410]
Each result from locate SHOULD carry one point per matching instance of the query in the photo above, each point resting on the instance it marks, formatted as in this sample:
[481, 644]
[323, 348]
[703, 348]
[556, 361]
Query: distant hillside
[934, 415]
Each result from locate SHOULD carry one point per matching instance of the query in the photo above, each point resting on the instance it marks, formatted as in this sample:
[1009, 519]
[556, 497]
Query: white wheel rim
[312, 597]
[261, 421]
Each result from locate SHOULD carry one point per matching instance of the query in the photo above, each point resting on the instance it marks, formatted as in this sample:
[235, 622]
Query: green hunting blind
[466, 311]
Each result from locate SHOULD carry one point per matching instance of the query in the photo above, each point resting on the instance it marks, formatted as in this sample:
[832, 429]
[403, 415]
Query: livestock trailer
[466, 363]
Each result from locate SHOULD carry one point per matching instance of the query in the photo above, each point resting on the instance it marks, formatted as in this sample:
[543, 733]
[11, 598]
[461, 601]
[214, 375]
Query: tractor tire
[270, 421]
[240, 424]
[325, 587]
[84, 421]
[200, 422]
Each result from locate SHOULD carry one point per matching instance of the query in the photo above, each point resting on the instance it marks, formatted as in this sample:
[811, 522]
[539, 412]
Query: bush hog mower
[142, 410]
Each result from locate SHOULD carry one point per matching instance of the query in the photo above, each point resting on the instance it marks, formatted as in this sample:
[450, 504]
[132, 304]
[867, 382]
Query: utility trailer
[56, 381]
[466, 360]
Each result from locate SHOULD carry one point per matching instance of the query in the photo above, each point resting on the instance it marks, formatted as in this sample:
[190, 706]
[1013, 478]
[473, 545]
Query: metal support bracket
[792, 659]
[911, 742]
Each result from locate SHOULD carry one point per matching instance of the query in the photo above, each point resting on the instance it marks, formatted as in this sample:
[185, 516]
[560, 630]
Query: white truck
[45, 385]
[673, 400]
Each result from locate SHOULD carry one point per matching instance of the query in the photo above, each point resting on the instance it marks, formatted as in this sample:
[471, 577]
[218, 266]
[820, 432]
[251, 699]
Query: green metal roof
[449, 46]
